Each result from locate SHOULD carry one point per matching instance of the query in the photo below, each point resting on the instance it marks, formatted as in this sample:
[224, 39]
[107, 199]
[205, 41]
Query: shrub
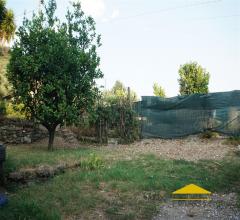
[93, 162]
[209, 134]
[128, 125]
[118, 117]
[2, 108]
[234, 140]
[15, 110]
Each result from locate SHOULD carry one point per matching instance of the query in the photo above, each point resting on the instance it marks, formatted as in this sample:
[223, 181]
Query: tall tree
[193, 79]
[7, 24]
[119, 89]
[119, 93]
[54, 65]
[158, 90]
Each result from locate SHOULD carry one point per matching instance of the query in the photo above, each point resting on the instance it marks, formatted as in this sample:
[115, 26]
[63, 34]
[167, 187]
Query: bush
[128, 125]
[2, 108]
[209, 134]
[120, 119]
[234, 140]
[112, 116]
[11, 110]
[93, 162]
[15, 110]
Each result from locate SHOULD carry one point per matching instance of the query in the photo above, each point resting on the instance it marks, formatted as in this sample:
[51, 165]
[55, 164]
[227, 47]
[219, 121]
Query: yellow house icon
[191, 192]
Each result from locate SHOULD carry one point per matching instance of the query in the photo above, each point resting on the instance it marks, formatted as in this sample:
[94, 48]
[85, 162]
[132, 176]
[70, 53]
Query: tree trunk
[51, 133]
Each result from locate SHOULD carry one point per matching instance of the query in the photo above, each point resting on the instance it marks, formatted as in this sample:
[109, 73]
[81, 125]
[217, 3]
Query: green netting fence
[185, 115]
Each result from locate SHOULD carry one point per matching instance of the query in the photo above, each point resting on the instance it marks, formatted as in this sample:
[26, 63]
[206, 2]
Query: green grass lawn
[120, 189]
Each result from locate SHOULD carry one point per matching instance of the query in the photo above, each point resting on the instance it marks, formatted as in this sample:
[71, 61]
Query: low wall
[18, 131]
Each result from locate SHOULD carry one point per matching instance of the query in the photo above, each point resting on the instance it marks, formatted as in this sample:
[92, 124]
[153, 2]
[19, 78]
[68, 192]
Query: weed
[233, 140]
[209, 134]
[93, 162]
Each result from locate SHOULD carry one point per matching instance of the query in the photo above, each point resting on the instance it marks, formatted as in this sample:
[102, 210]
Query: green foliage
[113, 116]
[8, 27]
[28, 210]
[118, 117]
[233, 140]
[193, 79]
[93, 162]
[12, 110]
[4, 84]
[158, 90]
[119, 89]
[2, 108]
[118, 94]
[7, 24]
[54, 65]
[15, 110]
[2, 9]
[128, 127]
[209, 134]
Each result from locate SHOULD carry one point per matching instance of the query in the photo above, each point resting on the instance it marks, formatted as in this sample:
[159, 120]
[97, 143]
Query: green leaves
[4, 84]
[193, 79]
[118, 94]
[158, 90]
[7, 24]
[54, 65]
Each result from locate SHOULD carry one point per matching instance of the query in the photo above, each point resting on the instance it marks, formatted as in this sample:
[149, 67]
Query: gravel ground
[191, 148]
[220, 207]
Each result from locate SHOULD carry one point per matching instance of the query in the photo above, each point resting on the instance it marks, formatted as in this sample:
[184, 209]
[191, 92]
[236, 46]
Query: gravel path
[221, 207]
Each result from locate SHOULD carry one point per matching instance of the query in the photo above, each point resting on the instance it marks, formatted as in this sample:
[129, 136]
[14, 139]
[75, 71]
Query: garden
[77, 151]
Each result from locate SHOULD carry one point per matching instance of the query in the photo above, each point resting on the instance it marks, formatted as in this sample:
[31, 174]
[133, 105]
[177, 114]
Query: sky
[146, 41]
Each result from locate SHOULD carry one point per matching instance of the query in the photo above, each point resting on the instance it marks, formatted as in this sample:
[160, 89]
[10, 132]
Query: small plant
[209, 134]
[234, 140]
[93, 162]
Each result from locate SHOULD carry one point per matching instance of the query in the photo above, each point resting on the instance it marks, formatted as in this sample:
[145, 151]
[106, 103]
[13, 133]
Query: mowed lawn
[107, 188]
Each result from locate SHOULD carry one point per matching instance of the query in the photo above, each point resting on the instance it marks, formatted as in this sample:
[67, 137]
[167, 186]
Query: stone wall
[18, 131]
